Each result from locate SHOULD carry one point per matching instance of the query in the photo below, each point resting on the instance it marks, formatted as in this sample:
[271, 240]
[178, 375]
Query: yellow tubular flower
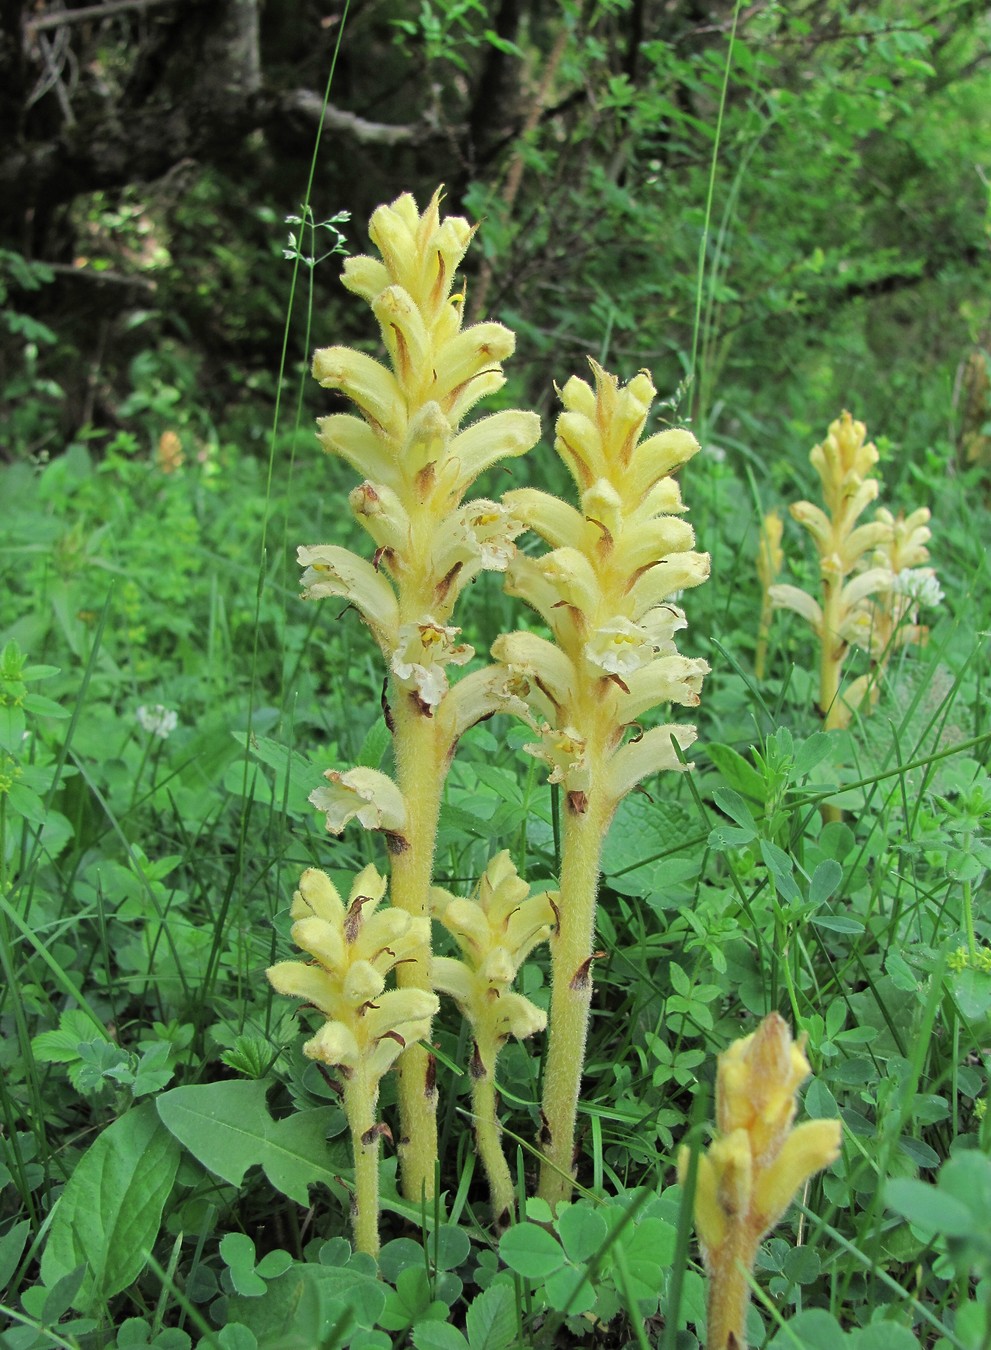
[353, 948]
[754, 1167]
[605, 592]
[496, 929]
[416, 459]
[843, 462]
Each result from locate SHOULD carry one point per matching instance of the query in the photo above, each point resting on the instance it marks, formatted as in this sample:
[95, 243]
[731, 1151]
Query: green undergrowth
[176, 1173]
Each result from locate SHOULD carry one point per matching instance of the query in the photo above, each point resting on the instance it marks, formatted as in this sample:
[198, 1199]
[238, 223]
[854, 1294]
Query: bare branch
[368, 133]
[61, 17]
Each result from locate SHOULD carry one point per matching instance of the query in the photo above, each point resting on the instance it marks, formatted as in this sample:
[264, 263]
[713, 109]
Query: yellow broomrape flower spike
[605, 592]
[352, 949]
[416, 460]
[496, 929]
[754, 1167]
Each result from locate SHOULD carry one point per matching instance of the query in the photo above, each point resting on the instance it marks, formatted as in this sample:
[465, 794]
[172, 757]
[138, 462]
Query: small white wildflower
[158, 720]
[920, 584]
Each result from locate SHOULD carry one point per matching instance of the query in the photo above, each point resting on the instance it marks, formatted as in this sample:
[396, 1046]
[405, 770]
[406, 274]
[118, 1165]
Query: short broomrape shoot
[605, 592]
[352, 948]
[496, 929]
[753, 1168]
[770, 560]
[416, 463]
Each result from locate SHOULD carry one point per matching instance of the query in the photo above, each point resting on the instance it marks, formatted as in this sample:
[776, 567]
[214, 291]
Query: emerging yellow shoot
[770, 560]
[496, 929]
[416, 461]
[352, 948]
[605, 592]
[754, 1167]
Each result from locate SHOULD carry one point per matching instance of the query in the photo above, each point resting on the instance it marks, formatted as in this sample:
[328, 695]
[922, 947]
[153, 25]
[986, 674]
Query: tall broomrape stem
[571, 995]
[359, 1095]
[420, 773]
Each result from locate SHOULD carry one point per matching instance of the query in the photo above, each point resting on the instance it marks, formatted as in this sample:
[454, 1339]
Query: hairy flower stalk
[353, 948]
[417, 463]
[753, 1168]
[843, 462]
[496, 929]
[605, 592]
[770, 560]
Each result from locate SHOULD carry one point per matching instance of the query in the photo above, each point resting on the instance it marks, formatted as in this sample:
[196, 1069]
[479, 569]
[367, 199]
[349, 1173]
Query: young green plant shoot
[605, 593]
[753, 1168]
[496, 929]
[352, 948]
[416, 463]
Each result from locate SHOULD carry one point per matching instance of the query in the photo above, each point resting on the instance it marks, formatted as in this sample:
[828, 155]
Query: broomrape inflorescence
[871, 583]
[605, 592]
[752, 1170]
[496, 929]
[417, 464]
[353, 948]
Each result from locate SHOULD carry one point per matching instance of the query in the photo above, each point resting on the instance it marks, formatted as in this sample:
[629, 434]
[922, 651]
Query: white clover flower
[919, 584]
[157, 720]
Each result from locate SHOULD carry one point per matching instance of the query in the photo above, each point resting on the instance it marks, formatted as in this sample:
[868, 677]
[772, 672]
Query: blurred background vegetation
[152, 150]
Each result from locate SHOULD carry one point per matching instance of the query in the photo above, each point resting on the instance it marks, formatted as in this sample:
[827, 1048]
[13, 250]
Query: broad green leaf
[732, 804]
[448, 1247]
[825, 880]
[433, 1335]
[928, 1207]
[11, 1247]
[582, 1231]
[883, 1336]
[811, 752]
[110, 1211]
[738, 772]
[570, 1291]
[299, 1308]
[838, 923]
[531, 1251]
[815, 1329]
[227, 1126]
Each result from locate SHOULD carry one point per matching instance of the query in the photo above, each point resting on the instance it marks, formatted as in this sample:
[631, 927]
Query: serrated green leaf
[109, 1214]
[61, 1046]
[491, 1320]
